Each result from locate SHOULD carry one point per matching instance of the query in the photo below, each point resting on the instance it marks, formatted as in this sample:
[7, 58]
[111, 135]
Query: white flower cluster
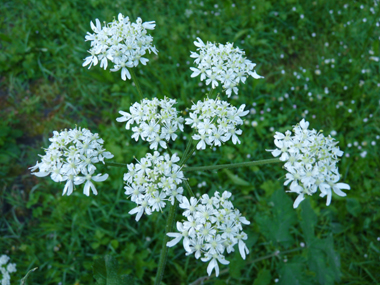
[71, 153]
[215, 122]
[152, 181]
[311, 162]
[157, 121]
[6, 269]
[222, 63]
[213, 226]
[122, 42]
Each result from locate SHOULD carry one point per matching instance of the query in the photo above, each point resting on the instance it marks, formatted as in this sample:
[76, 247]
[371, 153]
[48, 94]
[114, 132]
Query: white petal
[211, 266]
[86, 189]
[41, 174]
[343, 186]
[100, 178]
[92, 186]
[242, 248]
[255, 75]
[338, 191]
[186, 244]
[176, 240]
[299, 199]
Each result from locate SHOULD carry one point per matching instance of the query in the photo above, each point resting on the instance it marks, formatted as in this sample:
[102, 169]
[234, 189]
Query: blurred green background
[320, 61]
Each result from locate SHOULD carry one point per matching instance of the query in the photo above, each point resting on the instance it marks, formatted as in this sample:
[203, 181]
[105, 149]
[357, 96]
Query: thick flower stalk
[153, 181]
[222, 64]
[70, 154]
[155, 121]
[215, 122]
[311, 161]
[5, 270]
[212, 227]
[122, 42]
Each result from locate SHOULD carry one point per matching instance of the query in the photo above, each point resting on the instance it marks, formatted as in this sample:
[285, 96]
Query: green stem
[232, 165]
[188, 146]
[211, 93]
[108, 163]
[188, 188]
[134, 78]
[190, 153]
[165, 249]
[170, 222]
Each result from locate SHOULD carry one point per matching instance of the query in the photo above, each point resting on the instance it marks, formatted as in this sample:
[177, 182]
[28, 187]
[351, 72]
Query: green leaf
[269, 186]
[276, 227]
[309, 220]
[291, 273]
[263, 278]
[236, 179]
[115, 243]
[324, 261]
[353, 206]
[106, 272]
[236, 266]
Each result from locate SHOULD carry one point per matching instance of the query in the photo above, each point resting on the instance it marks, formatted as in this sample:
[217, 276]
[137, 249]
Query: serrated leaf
[324, 261]
[276, 227]
[309, 220]
[291, 273]
[106, 272]
[263, 278]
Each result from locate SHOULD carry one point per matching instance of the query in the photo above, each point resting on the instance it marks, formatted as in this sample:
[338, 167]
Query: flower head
[215, 122]
[152, 182]
[122, 42]
[6, 269]
[213, 226]
[311, 161]
[222, 64]
[70, 154]
[155, 121]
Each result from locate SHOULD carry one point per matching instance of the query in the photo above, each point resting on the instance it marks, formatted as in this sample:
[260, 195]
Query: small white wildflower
[5, 269]
[222, 64]
[311, 161]
[153, 181]
[215, 122]
[122, 42]
[157, 121]
[71, 153]
[213, 227]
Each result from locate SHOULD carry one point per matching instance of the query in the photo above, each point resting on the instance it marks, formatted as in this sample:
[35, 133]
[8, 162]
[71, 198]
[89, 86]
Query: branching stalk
[134, 78]
[164, 250]
[232, 165]
[188, 188]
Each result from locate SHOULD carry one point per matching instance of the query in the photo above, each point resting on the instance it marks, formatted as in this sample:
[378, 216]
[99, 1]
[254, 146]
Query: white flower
[213, 226]
[139, 210]
[6, 269]
[215, 122]
[89, 185]
[157, 121]
[152, 181]
[71, 153]
[336, 187]
[122, 42]
[222, 63]
[4, 259]
[311, 161]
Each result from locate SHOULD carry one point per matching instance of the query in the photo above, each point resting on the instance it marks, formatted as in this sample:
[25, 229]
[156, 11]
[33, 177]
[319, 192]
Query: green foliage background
[43, 87]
